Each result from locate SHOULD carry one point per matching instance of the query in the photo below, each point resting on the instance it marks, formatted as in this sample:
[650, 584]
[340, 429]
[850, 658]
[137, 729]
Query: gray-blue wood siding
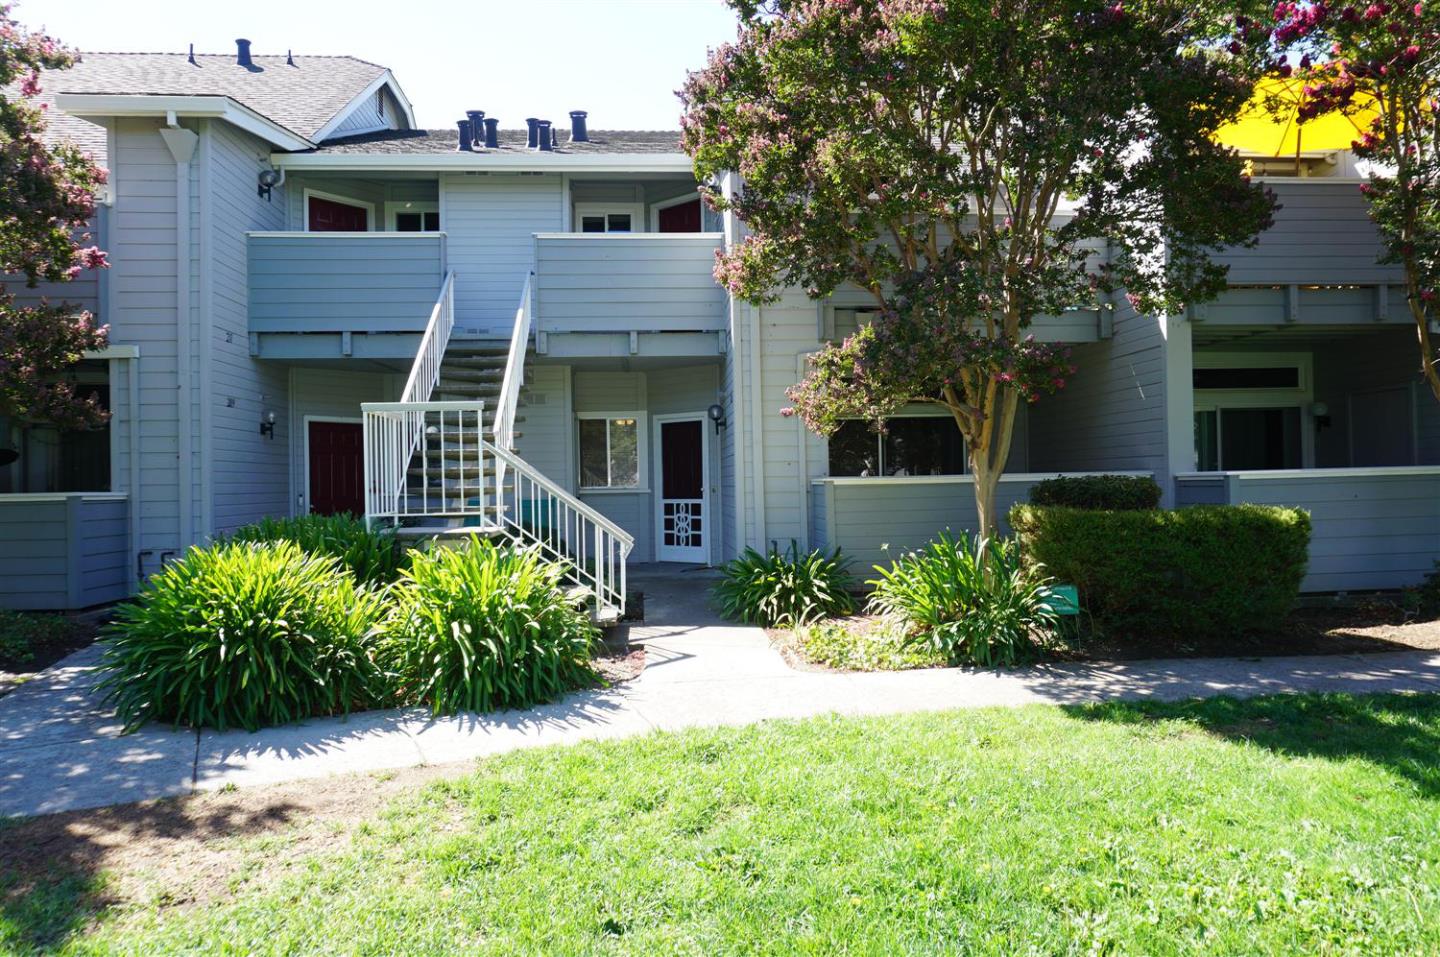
[1322, 235]
[318, 283]
[1369, 531]
[637, 282]
[63, 553]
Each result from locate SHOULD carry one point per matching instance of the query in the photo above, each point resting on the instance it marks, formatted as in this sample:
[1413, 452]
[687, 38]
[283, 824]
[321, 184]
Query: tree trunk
[988, 457]
[1429, 360]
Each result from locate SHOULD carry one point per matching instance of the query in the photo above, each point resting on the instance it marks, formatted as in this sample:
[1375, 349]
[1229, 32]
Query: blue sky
[620, 59]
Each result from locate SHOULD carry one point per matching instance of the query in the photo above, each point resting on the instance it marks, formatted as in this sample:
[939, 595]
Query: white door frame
[700, 554]
[305, 421]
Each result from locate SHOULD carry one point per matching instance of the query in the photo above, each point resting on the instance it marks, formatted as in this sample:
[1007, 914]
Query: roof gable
[303, 94]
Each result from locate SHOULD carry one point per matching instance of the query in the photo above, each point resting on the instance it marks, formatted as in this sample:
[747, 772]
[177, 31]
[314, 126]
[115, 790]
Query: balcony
[342, 295]
[627, 294]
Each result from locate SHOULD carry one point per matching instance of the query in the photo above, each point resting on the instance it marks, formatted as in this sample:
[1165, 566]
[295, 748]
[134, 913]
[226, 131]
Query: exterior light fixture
[1321, 414]
[267, 425]
[717, 415]
[269, 179]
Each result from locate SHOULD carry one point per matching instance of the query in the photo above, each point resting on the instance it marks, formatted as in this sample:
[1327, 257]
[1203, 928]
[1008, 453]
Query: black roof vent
[492, 133]
[242, 53]
[191, 58]
[545, 137]
[531, 125]
[289, 58]
[466, 137]
[477, 126]
[578, 133]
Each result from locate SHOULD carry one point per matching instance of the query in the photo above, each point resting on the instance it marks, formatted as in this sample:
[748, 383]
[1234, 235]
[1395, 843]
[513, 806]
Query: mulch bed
[622, 664]
[1360, 628]
[83, 631]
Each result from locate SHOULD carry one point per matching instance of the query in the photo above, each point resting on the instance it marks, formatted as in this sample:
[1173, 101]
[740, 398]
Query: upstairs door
[328, 216]
[683, 523]
[680, 218]
[335, 461]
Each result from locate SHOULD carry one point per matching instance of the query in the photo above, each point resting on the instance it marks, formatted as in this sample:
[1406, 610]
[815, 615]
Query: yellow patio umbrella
[1259, 132]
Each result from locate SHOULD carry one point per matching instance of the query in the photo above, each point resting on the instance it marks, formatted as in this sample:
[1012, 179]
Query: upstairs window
[418, 222]
[608, 217]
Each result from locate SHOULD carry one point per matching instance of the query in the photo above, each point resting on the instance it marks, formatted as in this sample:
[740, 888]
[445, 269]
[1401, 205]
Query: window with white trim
[609, 218]
[907, 445]
[609, 452]
[41, 458]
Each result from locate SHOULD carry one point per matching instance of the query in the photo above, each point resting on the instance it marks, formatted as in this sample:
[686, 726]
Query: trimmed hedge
[1110, 492]
[1186, 573]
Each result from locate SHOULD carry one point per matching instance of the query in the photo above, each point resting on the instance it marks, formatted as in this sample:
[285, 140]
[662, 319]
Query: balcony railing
[344, 282]
[627, 282]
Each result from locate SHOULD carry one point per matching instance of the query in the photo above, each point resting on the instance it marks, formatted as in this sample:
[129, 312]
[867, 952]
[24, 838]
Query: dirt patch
[183, 852]
[63, 636]
[621, 664]
[1361, 628]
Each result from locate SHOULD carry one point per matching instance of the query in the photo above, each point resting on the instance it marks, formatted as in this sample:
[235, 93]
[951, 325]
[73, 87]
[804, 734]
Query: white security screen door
[683, 525]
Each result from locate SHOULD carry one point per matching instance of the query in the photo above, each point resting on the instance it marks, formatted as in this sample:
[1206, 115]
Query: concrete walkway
[60, 750]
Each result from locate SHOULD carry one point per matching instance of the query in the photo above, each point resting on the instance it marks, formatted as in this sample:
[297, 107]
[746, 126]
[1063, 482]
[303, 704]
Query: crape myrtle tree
[46, 203]
[964, 161]
[1380, 64]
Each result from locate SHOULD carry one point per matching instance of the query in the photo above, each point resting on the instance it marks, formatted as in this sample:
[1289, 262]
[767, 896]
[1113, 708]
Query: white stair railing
[425, 460]
[392, 439]
[514, 370]
[533, 510]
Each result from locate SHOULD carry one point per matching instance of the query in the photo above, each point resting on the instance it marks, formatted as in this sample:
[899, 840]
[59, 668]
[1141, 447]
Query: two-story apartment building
[315, 306]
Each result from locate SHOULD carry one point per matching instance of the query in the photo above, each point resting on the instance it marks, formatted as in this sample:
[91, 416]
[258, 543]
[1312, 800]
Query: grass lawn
[1281, 825]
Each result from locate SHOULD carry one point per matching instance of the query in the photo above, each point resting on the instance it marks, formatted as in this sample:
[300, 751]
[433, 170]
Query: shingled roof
[302, 97]
[402, 142]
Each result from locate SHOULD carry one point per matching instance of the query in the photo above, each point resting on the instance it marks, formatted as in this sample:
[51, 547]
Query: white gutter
[482, 161]
[211, 107]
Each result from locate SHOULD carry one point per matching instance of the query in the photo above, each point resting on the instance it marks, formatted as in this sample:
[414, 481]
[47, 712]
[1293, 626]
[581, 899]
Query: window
[609, 217]
[605, 223]
[414, 221]
[413, 216]
[610, 453]
[1259, 377]
[909, 445]
[1247, 439]
[48, 460]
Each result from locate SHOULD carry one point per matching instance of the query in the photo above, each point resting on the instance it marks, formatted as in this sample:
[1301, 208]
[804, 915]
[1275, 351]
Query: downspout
[206, 340]
[181, 143]
[737, 391]
[757, 437]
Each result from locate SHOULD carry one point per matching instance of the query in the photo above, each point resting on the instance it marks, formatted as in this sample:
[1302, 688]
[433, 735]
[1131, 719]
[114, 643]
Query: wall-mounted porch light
[269, 179]
[267, 425]
[1321, 413]
[717, 415]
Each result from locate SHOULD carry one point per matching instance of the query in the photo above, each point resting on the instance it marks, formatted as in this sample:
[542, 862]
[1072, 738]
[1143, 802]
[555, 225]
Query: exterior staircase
[441, 462]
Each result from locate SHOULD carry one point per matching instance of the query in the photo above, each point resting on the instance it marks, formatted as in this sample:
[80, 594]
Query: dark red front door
[337, 468]
[328, 216]
[684, 218]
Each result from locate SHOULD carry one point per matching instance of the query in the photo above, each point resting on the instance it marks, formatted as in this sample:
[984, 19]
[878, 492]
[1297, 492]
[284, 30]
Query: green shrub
[851, 645]
[784, 589]
[244, 635]
[22, 634]
[973, 604]
[1424, 599]
[481, 627]
[1108, 492]
[1189, 573]
[373, 556]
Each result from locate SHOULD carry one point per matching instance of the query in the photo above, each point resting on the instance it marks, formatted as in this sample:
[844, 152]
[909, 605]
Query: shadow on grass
[1399, 732]
[53, 881]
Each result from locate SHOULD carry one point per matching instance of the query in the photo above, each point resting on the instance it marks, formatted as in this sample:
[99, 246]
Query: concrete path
[60, 750]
